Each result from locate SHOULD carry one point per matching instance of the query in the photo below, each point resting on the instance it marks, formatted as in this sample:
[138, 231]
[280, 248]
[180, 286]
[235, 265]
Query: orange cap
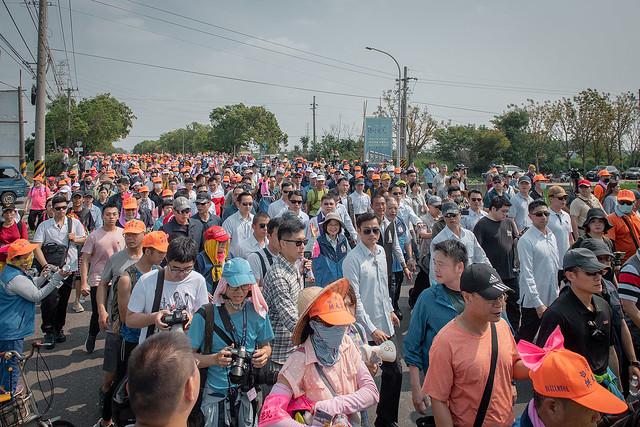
[157, 180]
[604, 172]
[143, 188]
[397, 170]
[225, 178]
[167, 193]
[566, 374]
[134, 226]
[129, 203]
[375, 176]
[20, 247]
[330, 308]
[156, 240]
[626, 195]
[357, 167]
[539, 177]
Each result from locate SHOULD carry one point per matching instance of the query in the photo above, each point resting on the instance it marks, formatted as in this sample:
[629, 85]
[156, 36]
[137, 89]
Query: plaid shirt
[282, 284]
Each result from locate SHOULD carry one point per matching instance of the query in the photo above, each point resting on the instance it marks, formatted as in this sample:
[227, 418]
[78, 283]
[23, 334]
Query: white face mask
[543, 185]
[157, 186]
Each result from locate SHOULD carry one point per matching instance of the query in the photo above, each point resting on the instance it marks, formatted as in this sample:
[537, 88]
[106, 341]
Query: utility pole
[403, 117]
[182, 142]
[23, 163]
[313, 107]
[69, 118]
[41, 92]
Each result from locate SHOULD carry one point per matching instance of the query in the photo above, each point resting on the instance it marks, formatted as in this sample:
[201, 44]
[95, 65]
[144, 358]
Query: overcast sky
[471, 58]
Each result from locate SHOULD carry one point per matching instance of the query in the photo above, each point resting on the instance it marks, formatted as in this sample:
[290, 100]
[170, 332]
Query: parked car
[631, 173]
[12, 184]
[592, 175]
[511, 169]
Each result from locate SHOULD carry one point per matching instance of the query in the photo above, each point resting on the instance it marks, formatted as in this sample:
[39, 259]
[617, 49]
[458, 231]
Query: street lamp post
[399, 132]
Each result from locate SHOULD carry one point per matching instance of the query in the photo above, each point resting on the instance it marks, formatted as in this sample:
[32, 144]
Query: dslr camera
[177, 317]
[242, 373]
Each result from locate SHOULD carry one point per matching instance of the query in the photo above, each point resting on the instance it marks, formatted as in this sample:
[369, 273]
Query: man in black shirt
[584, 318]
[497, 236]
[183, 225]
[203, 204]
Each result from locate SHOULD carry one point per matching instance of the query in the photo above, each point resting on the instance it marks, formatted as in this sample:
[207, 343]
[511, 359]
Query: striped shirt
[629, 280]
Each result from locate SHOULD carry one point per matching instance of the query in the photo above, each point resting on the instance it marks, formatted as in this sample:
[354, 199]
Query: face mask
[220, 257]
[326, 342]
[625, 209]
[107, 186]
[87, 183]
[22, 264]
[157, 186]
[543, 185]
[129, 218]
[605, 180]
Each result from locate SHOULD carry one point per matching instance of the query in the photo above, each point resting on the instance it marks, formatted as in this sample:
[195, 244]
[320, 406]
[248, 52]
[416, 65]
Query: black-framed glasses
[177, 271]
[539, 214]
[60, 208]
[247, 203]
[297, 242]
[368, 231]
[625, 202]
[296, 202]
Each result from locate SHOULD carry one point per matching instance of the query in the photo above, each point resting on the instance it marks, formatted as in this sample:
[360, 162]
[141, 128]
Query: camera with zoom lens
[617, 258]
[242, 373]
[177, 317]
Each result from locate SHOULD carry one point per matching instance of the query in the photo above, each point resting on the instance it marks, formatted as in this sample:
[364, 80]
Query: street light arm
[390, 56]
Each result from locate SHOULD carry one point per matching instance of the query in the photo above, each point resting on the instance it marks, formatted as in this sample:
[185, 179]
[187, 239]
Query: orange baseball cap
[567, 375]
[20, 247]
[397, 170]
[540, 177]
[225, 178]
[156, 240]
[143, 188]
[134, 226]
[604, 172]
[157, 180]
[330, 308]
[167, 193]
[129, 203]
[216, 233]
[375, 176]
[626, 195]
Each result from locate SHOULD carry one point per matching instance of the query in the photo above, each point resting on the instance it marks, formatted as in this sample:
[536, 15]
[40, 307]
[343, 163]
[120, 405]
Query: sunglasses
[562, 198]
[201, 203]
[497, 182]
[396, 194]
[584, 186]
[263, 225]
[539, 214]
[296, 202]
[368, 231]
[474, 199]
[595, 331]
[60, 208]
[297, 242]
[451, 215]
[626, 203]
[185, 211]
[247, 204]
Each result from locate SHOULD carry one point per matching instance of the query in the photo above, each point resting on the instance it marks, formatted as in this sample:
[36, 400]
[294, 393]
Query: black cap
[203, 197]
[8, 207]
[582, 258]
[594, 213]
[597, 246]
[78, 193]
[483, 279]
[89, 193]
[450, 207]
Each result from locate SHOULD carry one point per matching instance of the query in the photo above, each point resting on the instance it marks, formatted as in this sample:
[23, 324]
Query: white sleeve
[137, 301]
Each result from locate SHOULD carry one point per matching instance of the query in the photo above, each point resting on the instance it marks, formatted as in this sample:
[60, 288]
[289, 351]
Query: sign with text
[378, 139]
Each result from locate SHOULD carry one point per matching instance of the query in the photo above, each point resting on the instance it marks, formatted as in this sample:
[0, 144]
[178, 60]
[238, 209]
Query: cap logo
[493, 279]
[557, 388]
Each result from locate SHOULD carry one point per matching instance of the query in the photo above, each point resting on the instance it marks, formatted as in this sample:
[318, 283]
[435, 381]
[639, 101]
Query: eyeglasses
[476, 199]
[539, 214]
[584, 186]
[243, 288]
[297, 242]
[626, 203]
[178, 271]
[296, 202]
[396, 194]
[247, 203]
[59, 208]
[451, 215]
[368, 231]
[497, 182]
[201, 203]
[184, 211]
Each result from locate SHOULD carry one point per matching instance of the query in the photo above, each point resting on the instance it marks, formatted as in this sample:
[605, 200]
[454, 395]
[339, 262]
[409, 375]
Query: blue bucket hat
[238, 272]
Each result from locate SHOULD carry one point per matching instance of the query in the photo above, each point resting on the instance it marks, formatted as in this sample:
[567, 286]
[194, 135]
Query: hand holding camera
[223, 358]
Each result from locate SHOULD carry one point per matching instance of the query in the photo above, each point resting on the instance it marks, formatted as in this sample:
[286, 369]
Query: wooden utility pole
[23, 162]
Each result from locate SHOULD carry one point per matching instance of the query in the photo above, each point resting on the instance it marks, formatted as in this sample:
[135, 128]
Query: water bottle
[633, 386]
[52, 271]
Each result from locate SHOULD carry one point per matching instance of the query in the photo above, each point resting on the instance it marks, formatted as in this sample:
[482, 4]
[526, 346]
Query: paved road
[77, 375]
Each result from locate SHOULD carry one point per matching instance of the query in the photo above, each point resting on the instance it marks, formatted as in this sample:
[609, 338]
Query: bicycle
[20, 408]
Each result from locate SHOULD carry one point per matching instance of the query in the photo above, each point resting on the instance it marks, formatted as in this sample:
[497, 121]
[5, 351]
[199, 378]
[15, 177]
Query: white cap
[321, 178]
[313, 175]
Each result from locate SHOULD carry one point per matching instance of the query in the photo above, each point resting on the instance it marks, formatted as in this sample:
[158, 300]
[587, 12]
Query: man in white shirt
[238, 225]
[281, 204]
[294, 200]
[539, 265]
[361, 200]
[440, 180]
[366, 269]
[519, 204]
[453, 230]
[475, 210]
[559, 220]
[261, 260]
[258, 240]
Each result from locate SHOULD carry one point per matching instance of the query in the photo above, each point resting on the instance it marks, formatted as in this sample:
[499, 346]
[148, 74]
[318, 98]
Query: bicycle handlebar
[12, 353]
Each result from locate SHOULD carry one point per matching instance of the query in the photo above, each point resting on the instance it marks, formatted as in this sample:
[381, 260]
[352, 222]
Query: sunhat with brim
[567, 375]
[329, 217]
[306, 299]
[597, 213]
[19, 247]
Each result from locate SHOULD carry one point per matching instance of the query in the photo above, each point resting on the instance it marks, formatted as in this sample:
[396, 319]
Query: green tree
[562, 116]
[590, 123]
[237, 126]
[513, 123]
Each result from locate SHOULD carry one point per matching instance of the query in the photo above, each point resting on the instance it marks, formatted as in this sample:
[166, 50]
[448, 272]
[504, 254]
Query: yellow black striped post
[23, 167]
[38, 168]
[403, 162]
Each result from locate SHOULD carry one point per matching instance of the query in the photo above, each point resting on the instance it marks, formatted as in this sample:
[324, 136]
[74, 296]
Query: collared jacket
[327, 266]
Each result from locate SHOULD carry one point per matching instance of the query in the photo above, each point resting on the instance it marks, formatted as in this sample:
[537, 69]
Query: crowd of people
[275, 278]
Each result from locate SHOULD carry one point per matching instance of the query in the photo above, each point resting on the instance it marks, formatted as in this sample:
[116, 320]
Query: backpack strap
[156, 300]
[488, 388]
[208, 327]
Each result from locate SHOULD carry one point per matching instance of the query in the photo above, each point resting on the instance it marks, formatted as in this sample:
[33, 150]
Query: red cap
[216, 233]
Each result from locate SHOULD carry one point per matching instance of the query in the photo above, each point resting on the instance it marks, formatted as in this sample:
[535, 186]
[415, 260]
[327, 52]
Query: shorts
[112, 346]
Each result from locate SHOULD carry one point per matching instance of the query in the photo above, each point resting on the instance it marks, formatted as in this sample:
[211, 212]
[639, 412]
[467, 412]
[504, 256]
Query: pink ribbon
[533, 356]
[256, 298]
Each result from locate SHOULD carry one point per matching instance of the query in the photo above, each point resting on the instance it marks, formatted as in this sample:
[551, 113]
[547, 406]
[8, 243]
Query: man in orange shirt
[460, 356]
[625, 232]
[601, 186]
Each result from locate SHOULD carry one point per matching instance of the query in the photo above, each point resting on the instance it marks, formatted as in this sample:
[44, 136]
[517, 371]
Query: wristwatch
[636, 364]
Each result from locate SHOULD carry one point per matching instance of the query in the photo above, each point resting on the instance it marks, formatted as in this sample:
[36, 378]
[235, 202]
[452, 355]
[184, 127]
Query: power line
[73, 45]
[236, 41]
[259, 38]
[453, 107]
[7, 84]
[491, 87]
[20, 60]
[18, 28]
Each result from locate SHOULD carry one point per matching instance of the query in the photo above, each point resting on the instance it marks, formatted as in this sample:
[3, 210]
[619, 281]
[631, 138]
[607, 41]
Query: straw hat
[306, 299]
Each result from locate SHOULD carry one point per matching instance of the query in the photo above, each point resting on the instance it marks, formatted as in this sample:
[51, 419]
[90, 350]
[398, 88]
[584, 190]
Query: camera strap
[230, 327]
[156, 300]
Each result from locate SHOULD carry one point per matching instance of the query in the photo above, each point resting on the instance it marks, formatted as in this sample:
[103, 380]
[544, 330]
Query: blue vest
[17, 315]
[327, 266]
[401, 230]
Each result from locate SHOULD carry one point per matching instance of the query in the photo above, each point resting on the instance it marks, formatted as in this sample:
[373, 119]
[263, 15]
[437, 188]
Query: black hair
[294, 193]
[289, 227]
[498, 202]
[342, 179]
[273, 224]
[173, 180]
[212, 177]
[182, 249]
[326, 196]
[286, 184]
[183, 192]
[536, 204]
[167, 202]
[110, 205]
[453, 188]
[243, 194]
[475, 191]
[334, 193]
[189, 181]
[199, 177]
[367, 216]
[58, 198]
[123, 181]
[453, 249]
[260, 215]
[413, 184]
